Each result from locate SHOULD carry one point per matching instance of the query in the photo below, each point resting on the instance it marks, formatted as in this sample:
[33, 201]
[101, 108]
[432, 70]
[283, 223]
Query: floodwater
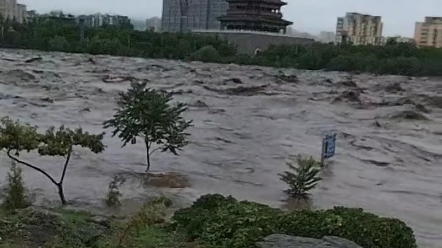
[247, 122]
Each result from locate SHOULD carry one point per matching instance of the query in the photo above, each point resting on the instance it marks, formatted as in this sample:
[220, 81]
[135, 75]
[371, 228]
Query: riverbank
[50, 35]
[212, 221]
[60, 228]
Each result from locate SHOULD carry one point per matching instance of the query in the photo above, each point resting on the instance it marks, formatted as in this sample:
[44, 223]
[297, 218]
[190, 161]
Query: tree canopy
[58, 35]
[147, 113]
[16, 137]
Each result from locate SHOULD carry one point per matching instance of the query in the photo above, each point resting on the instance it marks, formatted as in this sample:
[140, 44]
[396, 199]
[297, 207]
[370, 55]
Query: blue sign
[328, 146]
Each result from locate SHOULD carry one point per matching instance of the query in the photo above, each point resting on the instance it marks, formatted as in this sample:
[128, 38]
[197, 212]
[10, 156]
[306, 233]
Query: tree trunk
[147, 155]
[61, 193]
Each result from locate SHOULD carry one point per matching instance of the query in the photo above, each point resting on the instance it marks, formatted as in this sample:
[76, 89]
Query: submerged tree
[147, 113]
[302, 178]
[16, 138]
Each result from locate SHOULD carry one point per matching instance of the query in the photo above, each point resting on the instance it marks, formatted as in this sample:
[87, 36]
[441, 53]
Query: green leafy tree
[59, 43]
[302, 177]
[16, 138]
[206, 54]
[147, 113]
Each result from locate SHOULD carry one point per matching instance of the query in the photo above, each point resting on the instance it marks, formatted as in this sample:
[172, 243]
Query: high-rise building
[359, 29]
[429, 32]
[98, 20]
[263, 15]
[187, 15]
[21, 13]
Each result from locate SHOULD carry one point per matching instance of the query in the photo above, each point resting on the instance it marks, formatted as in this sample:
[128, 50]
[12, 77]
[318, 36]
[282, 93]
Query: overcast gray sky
[311, 16]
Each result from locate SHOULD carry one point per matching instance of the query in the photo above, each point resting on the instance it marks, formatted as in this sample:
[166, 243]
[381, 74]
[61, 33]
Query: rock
[287, 241]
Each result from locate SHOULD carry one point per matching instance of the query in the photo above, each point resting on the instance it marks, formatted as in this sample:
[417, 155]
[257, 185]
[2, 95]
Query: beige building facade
[11, 10]
[359, 29]
[429, 32]
[21, 13]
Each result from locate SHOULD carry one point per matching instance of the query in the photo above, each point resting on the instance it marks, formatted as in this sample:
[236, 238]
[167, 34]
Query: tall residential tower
[429, 32]
[359, 29]
[187, 15]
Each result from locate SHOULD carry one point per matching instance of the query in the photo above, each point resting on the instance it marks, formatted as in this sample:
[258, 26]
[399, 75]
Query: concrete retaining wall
[248, 42]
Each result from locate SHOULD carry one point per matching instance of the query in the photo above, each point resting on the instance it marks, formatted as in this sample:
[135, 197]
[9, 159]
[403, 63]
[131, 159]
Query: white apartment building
[11, 10]
[429, 32]
[21, 13]
[359, 29]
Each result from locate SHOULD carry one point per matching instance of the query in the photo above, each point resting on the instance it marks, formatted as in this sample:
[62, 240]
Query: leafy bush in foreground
[226, 222]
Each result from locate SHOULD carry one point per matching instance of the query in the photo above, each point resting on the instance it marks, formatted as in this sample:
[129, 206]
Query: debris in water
[34, 60]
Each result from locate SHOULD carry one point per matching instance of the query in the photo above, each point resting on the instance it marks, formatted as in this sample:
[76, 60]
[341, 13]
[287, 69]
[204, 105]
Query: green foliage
[59, 43]
[147, 113]
[226, 222]
[16, 137]
[16, 193]
[150, 214]
[61, 35]
[113, 194]
[303, 178]
[206, 54]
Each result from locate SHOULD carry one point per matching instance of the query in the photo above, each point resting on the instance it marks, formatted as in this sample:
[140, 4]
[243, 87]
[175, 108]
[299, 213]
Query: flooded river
[247, 122]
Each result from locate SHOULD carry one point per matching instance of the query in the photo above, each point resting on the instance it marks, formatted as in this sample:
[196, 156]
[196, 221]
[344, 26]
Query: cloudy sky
[308, 15]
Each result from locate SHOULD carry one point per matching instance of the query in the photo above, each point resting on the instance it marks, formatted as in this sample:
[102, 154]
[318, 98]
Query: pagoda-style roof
[275, 2]
[254, 18]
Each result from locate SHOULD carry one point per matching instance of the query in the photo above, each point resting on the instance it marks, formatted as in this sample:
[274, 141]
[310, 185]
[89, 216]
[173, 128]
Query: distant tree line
[56, 35]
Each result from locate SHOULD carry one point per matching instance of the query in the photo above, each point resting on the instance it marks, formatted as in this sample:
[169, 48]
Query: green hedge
[225, 222]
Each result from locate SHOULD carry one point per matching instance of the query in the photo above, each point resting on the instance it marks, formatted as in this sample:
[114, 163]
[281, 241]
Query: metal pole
[323, 152]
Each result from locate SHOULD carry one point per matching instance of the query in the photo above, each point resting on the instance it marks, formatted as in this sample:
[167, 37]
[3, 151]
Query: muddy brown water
[247, 122]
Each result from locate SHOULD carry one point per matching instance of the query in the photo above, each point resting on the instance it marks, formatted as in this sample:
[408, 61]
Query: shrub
[303, 178]
[206, 54]
[226, 222]
[16, 195]
[113, 194]
[152, 212]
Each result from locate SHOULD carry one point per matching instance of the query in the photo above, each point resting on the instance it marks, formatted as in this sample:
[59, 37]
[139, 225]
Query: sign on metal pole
[328, 147]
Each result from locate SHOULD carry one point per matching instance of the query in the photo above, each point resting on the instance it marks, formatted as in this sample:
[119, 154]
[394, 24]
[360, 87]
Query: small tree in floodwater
[147, 113]
[16, 138]
[302, 177]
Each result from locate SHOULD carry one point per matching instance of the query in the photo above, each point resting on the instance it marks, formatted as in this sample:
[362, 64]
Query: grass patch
[58, 228]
